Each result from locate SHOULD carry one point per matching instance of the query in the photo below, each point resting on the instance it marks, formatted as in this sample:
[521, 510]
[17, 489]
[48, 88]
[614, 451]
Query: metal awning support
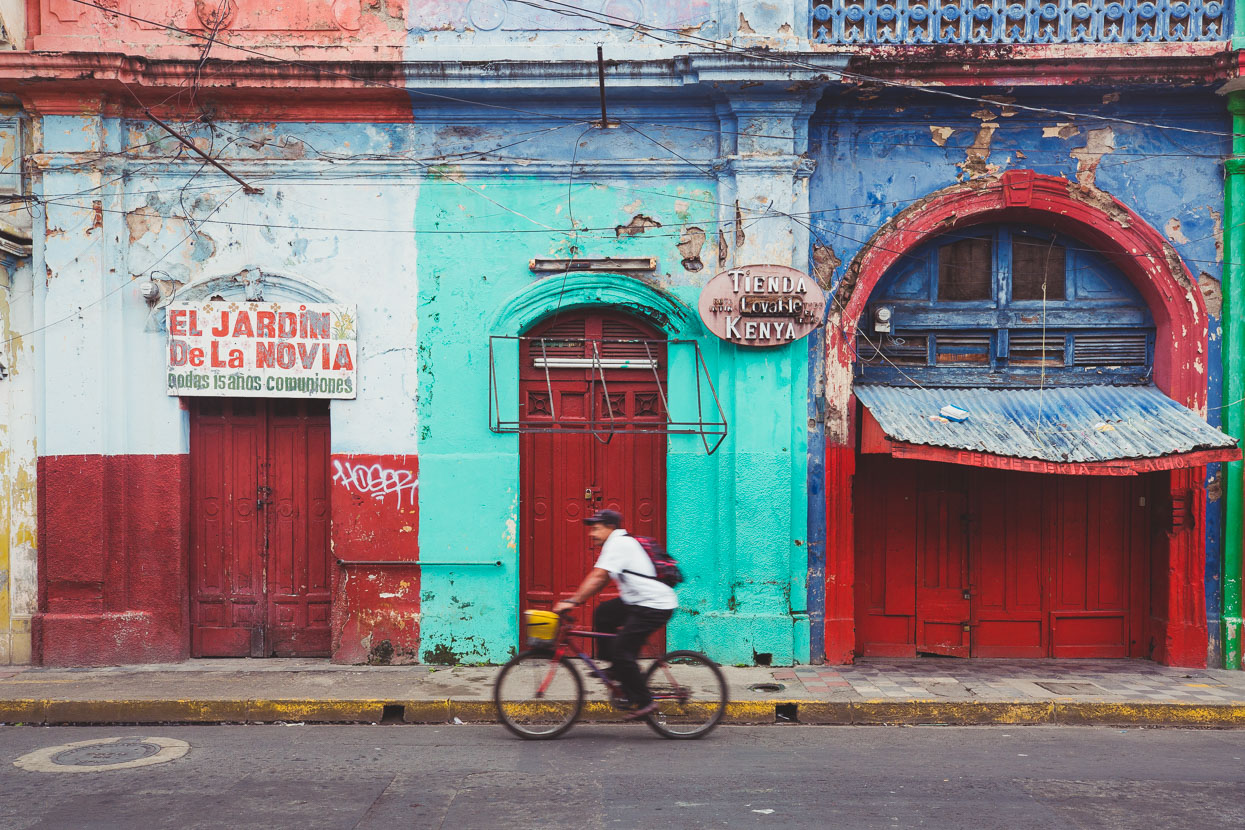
[604, 425]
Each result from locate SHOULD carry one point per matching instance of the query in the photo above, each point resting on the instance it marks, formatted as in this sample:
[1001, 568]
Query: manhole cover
[99, 755]
[103, 754]
[767, 687]
[1071, 688]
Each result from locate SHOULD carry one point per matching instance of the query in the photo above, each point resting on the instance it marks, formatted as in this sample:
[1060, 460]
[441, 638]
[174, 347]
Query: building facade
[327, 327]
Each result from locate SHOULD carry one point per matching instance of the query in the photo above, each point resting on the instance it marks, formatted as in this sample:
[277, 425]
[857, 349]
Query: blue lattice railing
[841, 22]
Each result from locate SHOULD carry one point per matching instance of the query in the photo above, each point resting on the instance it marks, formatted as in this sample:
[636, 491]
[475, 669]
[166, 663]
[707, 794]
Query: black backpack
[667, 568]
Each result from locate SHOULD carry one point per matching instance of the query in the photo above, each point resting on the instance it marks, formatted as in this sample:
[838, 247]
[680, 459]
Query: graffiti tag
[376, 481]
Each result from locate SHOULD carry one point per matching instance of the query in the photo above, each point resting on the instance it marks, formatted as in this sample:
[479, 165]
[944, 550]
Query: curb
[872, 712]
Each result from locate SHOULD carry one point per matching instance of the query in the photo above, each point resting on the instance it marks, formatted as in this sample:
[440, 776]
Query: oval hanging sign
[762, 305]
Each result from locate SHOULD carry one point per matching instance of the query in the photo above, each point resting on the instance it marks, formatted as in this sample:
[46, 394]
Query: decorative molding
[860, 22]
[1095, 217]
[397, 169]
[541, 298]
[249, 284]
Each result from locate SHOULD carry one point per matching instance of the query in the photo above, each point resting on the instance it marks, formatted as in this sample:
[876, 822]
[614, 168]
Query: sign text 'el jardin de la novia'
[262, 349]
[762, 305]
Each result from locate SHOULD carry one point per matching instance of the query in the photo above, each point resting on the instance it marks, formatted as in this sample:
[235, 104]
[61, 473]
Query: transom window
[1005, 305]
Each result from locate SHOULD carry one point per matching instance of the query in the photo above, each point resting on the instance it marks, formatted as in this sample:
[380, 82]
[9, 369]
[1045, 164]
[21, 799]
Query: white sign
[262, 350]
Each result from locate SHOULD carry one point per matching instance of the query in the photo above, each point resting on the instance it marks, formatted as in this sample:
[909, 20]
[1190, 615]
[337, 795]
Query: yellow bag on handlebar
[542, 627]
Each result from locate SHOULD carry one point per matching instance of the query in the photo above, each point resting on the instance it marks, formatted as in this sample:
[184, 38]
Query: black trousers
[633, 624]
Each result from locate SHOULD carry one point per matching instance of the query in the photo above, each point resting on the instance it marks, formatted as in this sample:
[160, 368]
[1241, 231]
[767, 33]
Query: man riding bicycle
[644, 603]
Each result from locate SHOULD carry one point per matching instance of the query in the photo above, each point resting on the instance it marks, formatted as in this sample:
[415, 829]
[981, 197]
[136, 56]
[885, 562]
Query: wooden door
[1005, 564]
[259, 528]
[1102, 540]
[943, 531]
[1009, 563]
[589, 376]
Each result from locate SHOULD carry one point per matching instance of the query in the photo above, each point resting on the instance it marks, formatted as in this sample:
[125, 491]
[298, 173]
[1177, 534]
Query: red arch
[1150, 264]
[1094, 217]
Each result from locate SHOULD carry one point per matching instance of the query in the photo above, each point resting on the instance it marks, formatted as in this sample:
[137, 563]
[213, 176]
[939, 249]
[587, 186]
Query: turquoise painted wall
[736, 520]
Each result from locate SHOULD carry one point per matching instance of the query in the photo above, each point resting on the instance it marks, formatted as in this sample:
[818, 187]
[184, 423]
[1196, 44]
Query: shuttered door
[566, 476]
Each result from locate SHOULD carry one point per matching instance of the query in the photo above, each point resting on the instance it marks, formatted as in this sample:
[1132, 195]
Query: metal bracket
[604, 427]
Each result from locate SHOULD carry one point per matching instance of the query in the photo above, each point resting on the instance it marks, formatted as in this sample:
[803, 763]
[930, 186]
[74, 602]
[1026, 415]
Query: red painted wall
[375, 508]
[113, 545]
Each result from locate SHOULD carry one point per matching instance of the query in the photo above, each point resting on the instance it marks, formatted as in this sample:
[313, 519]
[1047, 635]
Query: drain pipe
[1233, 347]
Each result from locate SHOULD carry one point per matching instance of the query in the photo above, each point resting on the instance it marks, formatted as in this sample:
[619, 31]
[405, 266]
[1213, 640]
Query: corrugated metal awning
[1083, 425]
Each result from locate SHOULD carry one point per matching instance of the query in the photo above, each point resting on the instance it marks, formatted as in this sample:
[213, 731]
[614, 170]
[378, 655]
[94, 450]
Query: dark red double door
[965, 561]
[608, 454]
[259, 530]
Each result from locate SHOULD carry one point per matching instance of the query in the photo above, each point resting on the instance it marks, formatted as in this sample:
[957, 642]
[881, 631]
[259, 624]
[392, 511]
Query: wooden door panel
[942, 563]
[1092, 573]
[1008, 586]
[885, 502]
[227, 590]
[298, 529]
[566, 476]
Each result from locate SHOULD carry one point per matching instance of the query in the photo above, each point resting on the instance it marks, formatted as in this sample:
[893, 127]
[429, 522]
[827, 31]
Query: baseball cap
[605, 517]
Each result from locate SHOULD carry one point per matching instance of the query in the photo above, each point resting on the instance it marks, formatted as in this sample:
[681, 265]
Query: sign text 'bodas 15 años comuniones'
[260, 349]
[762, 305]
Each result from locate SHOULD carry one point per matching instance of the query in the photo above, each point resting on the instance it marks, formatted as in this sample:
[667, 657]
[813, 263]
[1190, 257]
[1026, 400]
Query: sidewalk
[874, 691]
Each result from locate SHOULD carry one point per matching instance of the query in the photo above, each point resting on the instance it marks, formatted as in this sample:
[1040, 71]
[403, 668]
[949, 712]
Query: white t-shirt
[623, 553]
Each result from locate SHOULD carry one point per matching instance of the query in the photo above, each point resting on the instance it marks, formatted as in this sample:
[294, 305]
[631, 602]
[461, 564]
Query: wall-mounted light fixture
[149, 291]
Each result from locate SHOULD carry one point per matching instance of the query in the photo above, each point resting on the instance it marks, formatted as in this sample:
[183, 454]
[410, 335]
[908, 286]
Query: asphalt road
[462, 777]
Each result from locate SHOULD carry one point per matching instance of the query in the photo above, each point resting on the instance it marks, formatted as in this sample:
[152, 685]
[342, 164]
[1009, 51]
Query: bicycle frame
[563, 649]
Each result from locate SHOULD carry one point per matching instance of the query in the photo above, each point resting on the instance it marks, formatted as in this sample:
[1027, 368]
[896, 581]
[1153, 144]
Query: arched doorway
[962, 560]
[1177, 615]
[591, 391]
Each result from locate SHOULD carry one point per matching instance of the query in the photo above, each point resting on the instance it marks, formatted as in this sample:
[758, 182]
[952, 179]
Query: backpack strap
[646, 576]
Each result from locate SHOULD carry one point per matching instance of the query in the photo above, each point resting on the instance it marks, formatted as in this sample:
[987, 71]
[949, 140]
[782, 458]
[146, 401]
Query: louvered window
[1122, 349]
[566, 345]
[614, 331]
[565, 339]
[962, 349]
[909, 350]
[1035, 349]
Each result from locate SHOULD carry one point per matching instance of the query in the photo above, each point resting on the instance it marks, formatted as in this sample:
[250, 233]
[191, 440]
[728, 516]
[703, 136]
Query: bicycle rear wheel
[690, 693]
[537, 697]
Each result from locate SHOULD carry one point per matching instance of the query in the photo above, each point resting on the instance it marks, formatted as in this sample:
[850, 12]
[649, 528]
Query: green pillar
[1234, 373]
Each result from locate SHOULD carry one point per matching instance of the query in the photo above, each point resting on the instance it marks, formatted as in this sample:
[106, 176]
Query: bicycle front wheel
[690, 693]
[538, 697]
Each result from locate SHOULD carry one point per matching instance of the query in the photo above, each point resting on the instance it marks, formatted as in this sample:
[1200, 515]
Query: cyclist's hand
[563, 606]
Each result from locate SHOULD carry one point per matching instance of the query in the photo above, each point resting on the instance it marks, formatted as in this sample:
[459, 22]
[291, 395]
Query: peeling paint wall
[320, 233]
[883, 152]
[18, 468]
[737, 520]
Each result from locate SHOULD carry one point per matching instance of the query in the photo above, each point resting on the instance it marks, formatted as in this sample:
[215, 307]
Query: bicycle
[539, 694]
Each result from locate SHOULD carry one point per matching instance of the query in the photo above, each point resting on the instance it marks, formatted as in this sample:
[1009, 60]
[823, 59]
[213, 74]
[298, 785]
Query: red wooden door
[1059, 565]
[607, 460]
[259, 528]
[1009, 564]
[942, 596]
